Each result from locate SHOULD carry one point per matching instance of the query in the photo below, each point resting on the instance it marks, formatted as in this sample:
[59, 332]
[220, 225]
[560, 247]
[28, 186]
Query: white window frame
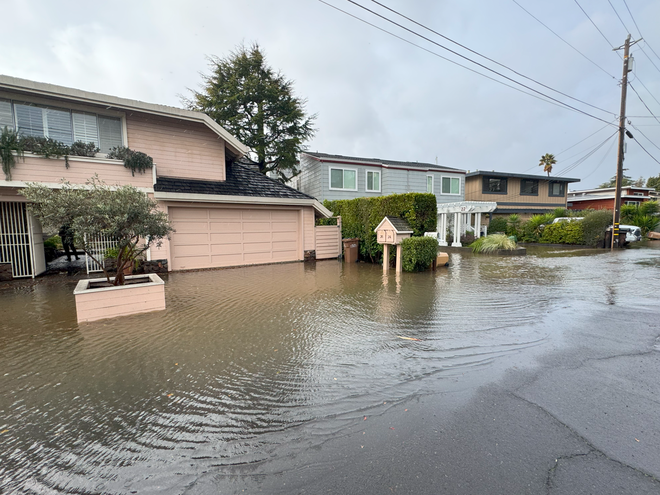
[366, 180]
[432, 191]
[442, 177]
[330, 169]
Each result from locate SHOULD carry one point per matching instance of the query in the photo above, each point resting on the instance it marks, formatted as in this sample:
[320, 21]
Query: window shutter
[110, 134]
[85, 128]
[6, 117]
[58, 124]
[30, 120]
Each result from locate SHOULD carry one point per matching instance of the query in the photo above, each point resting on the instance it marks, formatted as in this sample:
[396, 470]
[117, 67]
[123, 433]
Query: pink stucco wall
[53, 170]
[180, 148]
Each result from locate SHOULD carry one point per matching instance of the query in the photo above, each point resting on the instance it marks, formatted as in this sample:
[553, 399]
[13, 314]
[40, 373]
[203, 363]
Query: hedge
[563, 233]
[594, 225]
[361, 216]
[417, 253]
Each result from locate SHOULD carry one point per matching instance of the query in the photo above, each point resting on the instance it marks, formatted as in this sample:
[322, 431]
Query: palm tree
[547, 161]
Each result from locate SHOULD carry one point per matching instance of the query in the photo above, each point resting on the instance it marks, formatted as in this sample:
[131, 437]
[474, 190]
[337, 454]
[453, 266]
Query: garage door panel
[226, 238]
[189, 239]
[225, 214]
[226, 226]
[217, 237]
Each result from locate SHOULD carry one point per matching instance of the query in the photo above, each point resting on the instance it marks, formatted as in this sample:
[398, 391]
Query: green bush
[563, 233]
[643, 216]
[361, 216]
[498, 224]
[417, 253]
[533, 228]
[136, 161]
[493, 242]
[513, 225]
[594, 224]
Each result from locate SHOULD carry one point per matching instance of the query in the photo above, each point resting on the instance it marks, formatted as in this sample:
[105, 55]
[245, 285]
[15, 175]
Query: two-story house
[523, 194]
[333, 177]
[223, 213]
[603, 198]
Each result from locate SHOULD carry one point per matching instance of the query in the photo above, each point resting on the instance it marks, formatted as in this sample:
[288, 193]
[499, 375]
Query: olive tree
[124, 214]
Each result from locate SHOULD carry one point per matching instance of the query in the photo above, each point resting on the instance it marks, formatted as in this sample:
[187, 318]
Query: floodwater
[248, 364]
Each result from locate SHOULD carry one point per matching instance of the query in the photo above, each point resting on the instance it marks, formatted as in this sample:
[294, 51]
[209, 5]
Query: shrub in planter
[81, 149]
[417, 253]
[136, 161]
[11, 149]
[563, 233]
[125, 214]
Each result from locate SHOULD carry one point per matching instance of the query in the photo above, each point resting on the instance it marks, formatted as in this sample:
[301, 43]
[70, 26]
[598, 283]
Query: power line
[477, 63]
[639, 30]
[562, 105]
[647, 89]
[549, 29]
[468, 49]
[643, 102]
[647, 138]
[628, 30]
[581, 160]
[594, 24]
[564, 151]
[601, 160]
[654, 158]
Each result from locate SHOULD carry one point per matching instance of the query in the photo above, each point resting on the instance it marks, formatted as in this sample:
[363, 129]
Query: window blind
[85, 128]
[30, 120]
[110, 134]
[58, 125]
[6, 117]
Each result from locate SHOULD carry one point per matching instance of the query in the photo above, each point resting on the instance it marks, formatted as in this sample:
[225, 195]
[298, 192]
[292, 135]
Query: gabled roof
[113, 102]
[352, 160]
[241, 182]
[400, 225]
[492, 173]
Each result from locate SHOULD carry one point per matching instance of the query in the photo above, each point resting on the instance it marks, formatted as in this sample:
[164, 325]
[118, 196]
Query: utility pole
[622, 135]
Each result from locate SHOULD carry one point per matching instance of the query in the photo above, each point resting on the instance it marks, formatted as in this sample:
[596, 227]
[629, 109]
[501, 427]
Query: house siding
[473, 192]
[180, 148]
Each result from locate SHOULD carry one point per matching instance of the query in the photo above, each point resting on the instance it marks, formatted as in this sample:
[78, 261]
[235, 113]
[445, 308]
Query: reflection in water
[242, 355]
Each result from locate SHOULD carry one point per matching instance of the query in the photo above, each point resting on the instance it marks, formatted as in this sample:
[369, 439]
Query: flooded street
[251, 364]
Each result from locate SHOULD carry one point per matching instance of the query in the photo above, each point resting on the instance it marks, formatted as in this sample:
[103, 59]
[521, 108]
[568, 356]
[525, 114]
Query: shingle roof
[240, 181]
[399, 224]
[378, 161]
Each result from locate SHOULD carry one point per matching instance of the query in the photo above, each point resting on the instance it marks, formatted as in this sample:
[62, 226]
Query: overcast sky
[375, 95]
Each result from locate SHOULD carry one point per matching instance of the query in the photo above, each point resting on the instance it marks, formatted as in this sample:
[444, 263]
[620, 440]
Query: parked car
[633, 233]
[566, 219]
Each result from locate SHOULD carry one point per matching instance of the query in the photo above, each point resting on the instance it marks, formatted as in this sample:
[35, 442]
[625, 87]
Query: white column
[457, 230]
[477, 225]
[398, 258]
[442, 229]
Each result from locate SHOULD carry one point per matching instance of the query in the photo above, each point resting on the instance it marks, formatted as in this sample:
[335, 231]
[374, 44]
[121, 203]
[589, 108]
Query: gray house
[325, 176]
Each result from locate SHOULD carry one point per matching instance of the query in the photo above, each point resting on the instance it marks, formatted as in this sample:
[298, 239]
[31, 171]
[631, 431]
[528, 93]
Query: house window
[61, 125]
[556, 189]
[373, 181]
[529, 187]
[343, 178]
[633, 203]
[451, 185]
[429, 184]
[494, 185]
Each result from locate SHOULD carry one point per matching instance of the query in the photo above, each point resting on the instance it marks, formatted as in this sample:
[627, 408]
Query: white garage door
[216, 237]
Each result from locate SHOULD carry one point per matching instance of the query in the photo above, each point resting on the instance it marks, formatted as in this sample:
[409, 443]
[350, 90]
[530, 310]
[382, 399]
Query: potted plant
[124, 214]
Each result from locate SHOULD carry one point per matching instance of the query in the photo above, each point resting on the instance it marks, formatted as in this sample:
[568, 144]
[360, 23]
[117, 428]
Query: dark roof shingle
[240, 181]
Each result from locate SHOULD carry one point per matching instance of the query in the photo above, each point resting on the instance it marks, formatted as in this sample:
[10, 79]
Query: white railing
[97, 246]
[15, 246]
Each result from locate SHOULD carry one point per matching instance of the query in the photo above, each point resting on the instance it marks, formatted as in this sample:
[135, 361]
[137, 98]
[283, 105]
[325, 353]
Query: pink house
[224, 213]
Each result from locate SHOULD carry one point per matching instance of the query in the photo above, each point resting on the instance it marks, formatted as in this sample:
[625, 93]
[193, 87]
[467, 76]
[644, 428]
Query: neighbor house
[223, 213]
[332, 177]
[522, 194]
[603, 198]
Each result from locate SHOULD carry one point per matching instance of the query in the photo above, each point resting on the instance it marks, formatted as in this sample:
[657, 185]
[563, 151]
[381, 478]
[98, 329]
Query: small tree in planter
[123, 213]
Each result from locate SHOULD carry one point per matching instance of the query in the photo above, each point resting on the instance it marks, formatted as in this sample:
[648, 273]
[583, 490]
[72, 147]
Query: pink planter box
[109, 302]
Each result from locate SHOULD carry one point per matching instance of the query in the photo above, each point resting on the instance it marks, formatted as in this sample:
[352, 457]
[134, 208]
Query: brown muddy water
[251, 363]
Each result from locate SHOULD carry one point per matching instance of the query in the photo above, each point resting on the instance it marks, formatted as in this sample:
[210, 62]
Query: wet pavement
[536, 374]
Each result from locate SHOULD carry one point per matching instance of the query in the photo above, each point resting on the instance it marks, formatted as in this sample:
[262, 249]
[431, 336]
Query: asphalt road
[581, 417]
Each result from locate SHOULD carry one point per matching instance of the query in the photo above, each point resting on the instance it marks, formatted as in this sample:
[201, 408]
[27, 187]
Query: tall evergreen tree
[258, 106]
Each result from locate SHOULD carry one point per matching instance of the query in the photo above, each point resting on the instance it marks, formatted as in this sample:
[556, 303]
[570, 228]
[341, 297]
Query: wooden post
[386, 258]
[398, 258]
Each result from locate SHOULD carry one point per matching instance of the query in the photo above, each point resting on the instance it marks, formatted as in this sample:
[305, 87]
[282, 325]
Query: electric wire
[647, 138]
[639, 30]
[629, 31]
[645, 151]
[594, 24]
[470, 50]
[549, 99]
[647, 90]
[438, 55]
[549, 29]
[582, 140]
[581, 160]
[643, 102]
[601, 160]
[475, 62]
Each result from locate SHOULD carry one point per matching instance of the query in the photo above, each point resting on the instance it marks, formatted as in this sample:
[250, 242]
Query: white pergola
[462, 211]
